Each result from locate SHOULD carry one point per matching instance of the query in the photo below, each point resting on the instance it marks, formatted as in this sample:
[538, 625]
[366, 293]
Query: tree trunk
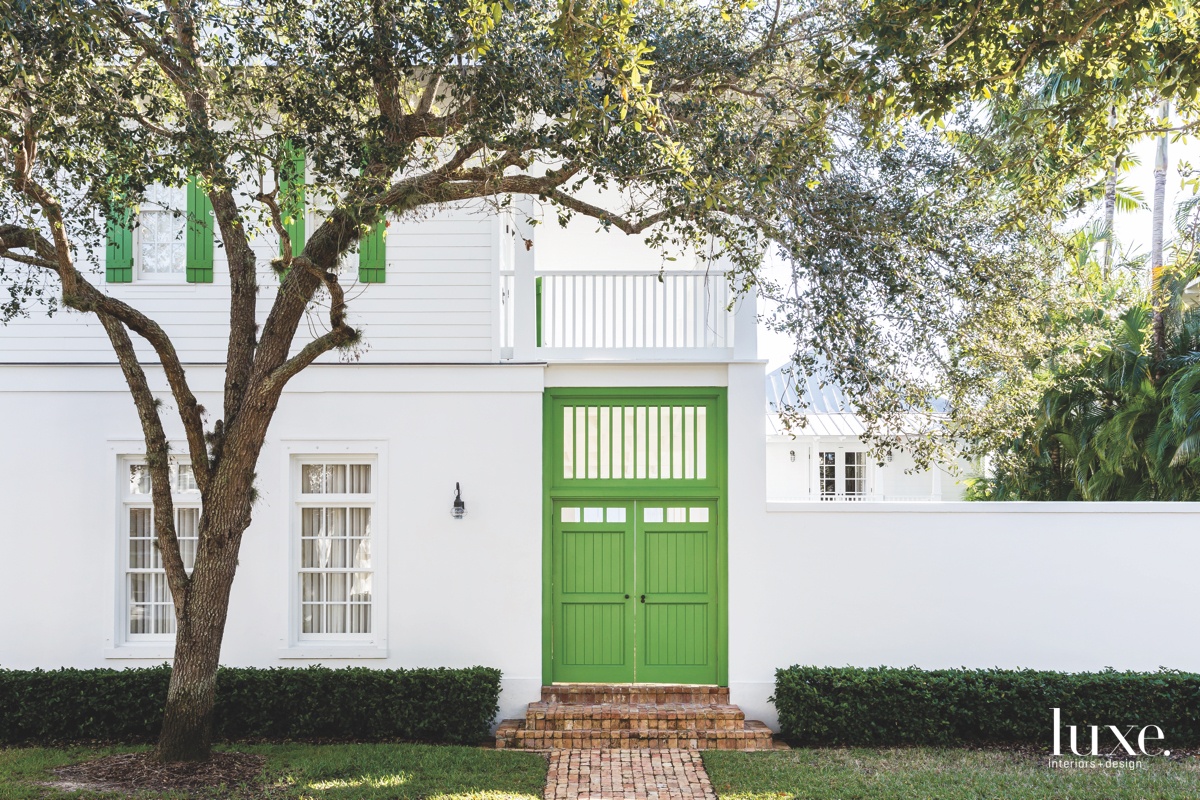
[1156, 233]
[1110, 205]
[188, 719]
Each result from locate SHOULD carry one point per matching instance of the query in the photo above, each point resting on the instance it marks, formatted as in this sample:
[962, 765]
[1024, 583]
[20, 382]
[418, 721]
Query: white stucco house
[576, 401]
[626, 519]
[825, 458]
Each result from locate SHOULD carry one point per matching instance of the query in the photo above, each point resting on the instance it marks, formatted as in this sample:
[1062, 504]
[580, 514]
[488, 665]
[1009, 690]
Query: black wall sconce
[459, 509]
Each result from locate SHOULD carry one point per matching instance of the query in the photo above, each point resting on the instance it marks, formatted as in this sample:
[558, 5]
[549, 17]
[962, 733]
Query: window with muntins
[827, 473]
[856, 473]
[162, 234]
[335, 505]
[148, 610]
[635, 442]
[842, 474]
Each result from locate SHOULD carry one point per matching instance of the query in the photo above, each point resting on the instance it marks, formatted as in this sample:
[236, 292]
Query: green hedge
[889, 706]
[355, 704]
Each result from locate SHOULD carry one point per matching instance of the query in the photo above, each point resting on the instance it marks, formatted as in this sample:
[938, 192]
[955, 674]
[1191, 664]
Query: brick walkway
[627, 775]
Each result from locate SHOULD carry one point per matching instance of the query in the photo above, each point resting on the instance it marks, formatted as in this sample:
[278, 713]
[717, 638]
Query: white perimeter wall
[1053, 586]
[1061, 586]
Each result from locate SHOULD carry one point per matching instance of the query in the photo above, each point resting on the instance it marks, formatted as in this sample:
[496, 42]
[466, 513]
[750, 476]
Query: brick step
[595, 693]
[753, 735]
[633, 716]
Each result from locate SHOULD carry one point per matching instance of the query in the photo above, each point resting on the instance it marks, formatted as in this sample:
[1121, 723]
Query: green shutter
[372, 255]
[118, 252]
[199, 234]
[291, 195]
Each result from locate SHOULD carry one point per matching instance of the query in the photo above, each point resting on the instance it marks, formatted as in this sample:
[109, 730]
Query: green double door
[634, 591]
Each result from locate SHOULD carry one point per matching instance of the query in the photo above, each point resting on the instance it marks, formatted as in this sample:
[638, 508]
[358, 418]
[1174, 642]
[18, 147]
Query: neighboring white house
[826, 458]
[605, 425]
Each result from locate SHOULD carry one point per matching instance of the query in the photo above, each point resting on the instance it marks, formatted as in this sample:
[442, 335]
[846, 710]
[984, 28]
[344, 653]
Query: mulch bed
[138, 771]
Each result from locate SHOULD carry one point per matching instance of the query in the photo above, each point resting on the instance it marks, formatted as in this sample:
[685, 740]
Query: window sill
[155, 652]
[311, 652]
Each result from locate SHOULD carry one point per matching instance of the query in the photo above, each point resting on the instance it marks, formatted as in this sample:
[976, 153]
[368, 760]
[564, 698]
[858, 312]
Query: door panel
[676, 583]
[593, 588]
[634, 592]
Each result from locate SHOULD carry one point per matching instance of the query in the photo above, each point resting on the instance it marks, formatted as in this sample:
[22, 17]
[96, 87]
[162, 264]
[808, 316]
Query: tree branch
[187, 75]
[285, 238]
[157, 459]
[80, 294]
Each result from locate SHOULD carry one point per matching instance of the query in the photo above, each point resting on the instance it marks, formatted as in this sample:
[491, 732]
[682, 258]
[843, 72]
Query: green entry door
[634, 591]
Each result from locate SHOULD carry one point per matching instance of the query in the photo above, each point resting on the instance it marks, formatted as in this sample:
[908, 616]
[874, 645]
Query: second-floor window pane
[162, 244]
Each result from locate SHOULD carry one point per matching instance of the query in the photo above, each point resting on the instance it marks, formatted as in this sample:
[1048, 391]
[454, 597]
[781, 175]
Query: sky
[1132, 228]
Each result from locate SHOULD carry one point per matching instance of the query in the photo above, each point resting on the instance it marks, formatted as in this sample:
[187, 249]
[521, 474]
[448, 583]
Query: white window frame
[840, 473]
[155, 645]
[160, 278]
[334, 646]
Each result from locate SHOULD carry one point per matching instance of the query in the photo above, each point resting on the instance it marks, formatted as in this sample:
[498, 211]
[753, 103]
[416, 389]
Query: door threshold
[633, 683]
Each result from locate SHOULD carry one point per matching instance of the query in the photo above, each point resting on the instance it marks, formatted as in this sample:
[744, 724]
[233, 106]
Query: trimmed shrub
[885, 706]
[314, 703]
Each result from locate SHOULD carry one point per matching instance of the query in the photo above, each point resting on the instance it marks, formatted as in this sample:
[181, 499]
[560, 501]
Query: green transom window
[635, 440]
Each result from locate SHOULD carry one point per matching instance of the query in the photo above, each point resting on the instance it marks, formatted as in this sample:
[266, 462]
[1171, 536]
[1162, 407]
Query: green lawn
[322, 772]
[887, 774]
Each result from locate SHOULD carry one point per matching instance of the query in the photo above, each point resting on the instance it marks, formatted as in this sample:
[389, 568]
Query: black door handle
[643, 598]
[626, 597]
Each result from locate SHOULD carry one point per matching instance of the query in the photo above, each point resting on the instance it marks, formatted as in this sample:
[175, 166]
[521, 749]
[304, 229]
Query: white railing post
[524, 285]
[745, 326]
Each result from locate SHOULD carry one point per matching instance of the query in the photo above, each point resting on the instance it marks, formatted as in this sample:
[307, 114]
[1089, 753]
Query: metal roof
[787, 388]
[824, 406]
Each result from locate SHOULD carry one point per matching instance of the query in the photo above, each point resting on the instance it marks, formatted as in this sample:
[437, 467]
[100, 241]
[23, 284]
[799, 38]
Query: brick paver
[627, 775]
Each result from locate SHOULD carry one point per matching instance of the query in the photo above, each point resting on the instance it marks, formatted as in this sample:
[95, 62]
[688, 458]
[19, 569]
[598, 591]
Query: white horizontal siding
[437, 305]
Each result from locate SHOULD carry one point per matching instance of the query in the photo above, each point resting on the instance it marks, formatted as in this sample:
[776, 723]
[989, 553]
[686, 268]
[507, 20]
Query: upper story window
[169, 238]
[335, 573]
[161, 236]
[148, 612]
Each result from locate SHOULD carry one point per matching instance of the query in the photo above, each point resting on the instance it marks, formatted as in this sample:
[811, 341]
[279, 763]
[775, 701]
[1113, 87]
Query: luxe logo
[1124, 741]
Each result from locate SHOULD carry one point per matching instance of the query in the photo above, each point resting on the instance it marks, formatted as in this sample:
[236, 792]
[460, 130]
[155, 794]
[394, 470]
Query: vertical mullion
[671, 435]
[612, 434]
[636, 453]
[659, 436]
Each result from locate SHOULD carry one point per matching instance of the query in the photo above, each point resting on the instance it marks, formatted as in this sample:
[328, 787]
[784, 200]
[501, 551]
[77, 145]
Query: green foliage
[725, 130]
[1068, 106]
[1121, 422]
[899, 256]
[353, 704]
[882, 706]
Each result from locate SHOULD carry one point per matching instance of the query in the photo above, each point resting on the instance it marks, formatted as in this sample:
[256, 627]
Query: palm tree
[1156, 231]
[1123, 422]
[1110, 201]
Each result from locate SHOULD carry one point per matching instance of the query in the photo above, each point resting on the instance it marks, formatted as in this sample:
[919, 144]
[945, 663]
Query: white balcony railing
[619, 313]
